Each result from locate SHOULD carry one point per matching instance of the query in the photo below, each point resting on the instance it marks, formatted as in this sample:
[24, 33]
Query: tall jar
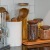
[32, 30]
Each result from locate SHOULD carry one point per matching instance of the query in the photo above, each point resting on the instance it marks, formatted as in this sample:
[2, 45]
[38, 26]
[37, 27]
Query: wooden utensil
[2, 9]
[23, 12]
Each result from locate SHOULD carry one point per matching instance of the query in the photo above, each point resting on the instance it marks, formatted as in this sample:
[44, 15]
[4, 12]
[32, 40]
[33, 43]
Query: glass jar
[45, 32]
[39, 20]
[32, 31]
[20, 6]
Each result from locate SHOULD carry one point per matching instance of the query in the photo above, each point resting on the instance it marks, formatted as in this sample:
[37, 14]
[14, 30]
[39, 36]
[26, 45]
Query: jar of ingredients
[39, 24]
[32, 30]
[45, 32]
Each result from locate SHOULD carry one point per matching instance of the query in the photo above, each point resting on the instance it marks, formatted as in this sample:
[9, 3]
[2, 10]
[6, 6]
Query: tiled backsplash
[10, 6]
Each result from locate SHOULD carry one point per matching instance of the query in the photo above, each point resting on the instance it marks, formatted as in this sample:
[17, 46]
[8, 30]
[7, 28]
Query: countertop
[11, 48]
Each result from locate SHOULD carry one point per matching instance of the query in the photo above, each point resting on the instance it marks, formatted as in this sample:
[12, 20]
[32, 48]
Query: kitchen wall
[42, 7]
[11, 6]
[38, 8]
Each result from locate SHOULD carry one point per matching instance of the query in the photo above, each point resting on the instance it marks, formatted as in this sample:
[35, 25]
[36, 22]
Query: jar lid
[32, 21]
[45, 27]
[23, 4]
[38, 19]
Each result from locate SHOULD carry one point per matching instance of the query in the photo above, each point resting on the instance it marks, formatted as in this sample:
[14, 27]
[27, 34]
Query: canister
[32, 30]
[45, 32]
[39, 20]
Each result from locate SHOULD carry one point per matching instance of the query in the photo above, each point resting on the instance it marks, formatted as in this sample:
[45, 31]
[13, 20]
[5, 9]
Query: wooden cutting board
[37, 42]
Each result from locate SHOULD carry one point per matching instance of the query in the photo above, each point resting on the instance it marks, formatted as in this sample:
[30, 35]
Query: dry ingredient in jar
[32, 30]
[39, 20]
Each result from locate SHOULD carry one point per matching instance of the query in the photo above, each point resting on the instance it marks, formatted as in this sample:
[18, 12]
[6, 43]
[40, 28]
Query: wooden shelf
[37, 43]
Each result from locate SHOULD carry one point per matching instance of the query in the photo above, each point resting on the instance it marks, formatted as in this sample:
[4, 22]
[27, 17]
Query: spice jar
[32, 30]
[39, 20]
[45, 32]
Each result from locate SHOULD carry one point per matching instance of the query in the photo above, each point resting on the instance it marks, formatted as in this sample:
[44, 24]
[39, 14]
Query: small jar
[39, 20]
[45, 32]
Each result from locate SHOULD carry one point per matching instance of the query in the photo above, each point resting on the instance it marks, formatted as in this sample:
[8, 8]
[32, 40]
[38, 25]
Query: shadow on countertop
[11, 48]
